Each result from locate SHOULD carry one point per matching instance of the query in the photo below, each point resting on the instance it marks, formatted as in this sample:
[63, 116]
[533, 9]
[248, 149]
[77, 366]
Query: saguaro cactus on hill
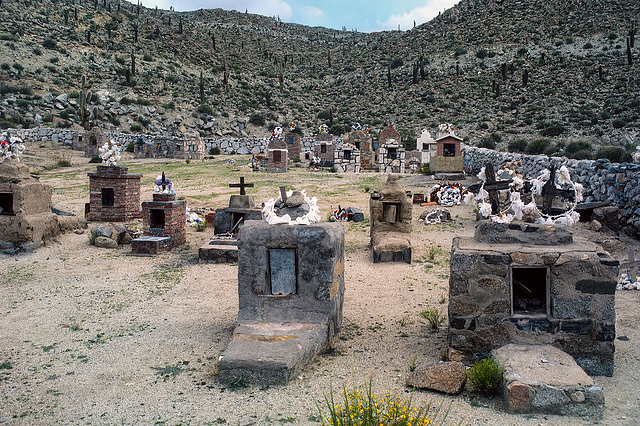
[84, 98]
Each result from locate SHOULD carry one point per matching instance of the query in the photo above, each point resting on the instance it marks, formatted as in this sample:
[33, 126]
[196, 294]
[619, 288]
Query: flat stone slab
[446, 377]
[267, 354]
[150, 244]
[544, 379]
[223, 251]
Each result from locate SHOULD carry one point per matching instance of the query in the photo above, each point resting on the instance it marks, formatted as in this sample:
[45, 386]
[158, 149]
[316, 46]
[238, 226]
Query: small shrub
[187, 161]
[522, 51]
[63, 161]
[425, 169]
[397, 62]
[459, 52]
[538, 146]
[95, 159]
[147, 58]
[487, 143]
[362, 407]
[588, 45]
[135, 127]
[332, 169]
[481, 53]
[615, 154]
[433, 317]
[618, 123]
[554, 130]
[200, 226]
[574, 147]
[517, 145]
[130, 147]
[37, 51]
[214, 150]
[205, 109]
[485, 376]
[257, 118]
[92, 237]
[49, 43]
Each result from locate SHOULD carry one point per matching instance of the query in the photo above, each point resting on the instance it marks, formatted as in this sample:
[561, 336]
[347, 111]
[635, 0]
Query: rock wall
[602, 180]
[227, 146]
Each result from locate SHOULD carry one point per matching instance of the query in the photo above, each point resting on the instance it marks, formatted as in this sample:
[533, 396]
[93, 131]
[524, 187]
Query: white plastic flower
[482, 175]
[469, 198]
[563, 176]
[484, 209]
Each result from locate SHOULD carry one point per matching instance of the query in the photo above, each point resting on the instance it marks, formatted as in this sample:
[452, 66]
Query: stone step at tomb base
[150, 245]
[268, 354]
[219, 251]
[544, 379]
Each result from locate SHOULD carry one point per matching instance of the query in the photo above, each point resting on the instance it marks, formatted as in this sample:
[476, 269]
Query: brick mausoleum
[163, 224]
[114, 194]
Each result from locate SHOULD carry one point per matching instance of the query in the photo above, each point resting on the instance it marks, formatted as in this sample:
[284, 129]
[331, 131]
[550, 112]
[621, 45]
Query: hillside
[499, 70]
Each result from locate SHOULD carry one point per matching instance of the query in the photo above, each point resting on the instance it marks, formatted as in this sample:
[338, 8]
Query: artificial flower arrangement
[10, 147]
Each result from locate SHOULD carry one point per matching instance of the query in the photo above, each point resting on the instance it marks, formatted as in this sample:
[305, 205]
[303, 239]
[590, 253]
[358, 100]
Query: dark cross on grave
[241, 185]
[549, 192]
[163, 182]
[492, 186]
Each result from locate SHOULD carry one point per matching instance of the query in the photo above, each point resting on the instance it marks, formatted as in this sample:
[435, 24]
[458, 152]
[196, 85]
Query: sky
[361, 15]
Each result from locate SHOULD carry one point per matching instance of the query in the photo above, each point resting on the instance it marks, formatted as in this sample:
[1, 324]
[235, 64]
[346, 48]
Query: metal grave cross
[492, 186]
[241, 185]
[549, 192]
[163, 182]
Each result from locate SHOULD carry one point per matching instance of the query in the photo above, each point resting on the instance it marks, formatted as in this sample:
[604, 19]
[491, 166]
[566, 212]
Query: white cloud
[312, 12]
[420, 15]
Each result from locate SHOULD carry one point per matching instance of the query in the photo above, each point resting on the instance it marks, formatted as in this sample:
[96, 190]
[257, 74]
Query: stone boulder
[104, 242]
[445, 377]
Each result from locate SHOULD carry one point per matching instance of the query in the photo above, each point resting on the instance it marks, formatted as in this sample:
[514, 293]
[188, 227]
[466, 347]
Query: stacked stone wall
[618, 183]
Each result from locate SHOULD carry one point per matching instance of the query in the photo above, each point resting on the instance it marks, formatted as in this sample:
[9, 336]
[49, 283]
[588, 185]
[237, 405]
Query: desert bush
[615, 154]
[214, 150]
[257, 118]
[575, 149]
[361, 407]
[95, 159]
[485, 376]
[554, 130]
[487, 143]
[49, 43]
[433, 317]
[517, 145]
[481, 53]
[537, 146]
[205, 109]
[130, 147]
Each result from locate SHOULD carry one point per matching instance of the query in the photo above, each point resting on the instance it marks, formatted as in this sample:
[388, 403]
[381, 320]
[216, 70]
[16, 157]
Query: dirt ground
[96, 336]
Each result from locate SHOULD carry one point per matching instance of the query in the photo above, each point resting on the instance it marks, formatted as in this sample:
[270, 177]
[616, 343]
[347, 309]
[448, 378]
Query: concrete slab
[267, 354]
[150, 245]
[544, 379]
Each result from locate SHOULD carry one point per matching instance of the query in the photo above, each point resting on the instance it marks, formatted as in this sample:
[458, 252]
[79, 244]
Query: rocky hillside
[501, 70]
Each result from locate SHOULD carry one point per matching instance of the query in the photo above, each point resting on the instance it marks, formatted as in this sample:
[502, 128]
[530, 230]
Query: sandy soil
[96, 336]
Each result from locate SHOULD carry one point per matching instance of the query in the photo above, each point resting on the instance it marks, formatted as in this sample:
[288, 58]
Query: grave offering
[277, 154]
[350, 214]
[390, 211]
[26, 220]
[391, 154]
[448, 158]
[533, 284]
[114, 194]
[448, 194]
[163, 220]
[223, 247]
[291, 289]
[435, 216]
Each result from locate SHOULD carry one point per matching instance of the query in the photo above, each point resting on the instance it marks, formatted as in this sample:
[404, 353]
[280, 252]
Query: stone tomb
[93, 140]
[347, 159]
[294, 145]
[291, 289]
[277, 156]
[448, 158]
[114, 194]
[223, 247]
[163, 222]
[390, 211]
[324, 149]
[25, 214]
[391, 157]
[532, 284]
[364, 143]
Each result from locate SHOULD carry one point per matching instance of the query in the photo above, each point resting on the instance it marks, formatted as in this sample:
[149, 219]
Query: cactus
[329, 57]
[281, 78]
[330, 116]
[525, 78]
[503, 71]
[88, 36]
[632, 34]
[629, 57]
[415, 73]
[84, 98]
[180, 26]
[201, 88]
[133, 63]
[135, 32]
[389, 75]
